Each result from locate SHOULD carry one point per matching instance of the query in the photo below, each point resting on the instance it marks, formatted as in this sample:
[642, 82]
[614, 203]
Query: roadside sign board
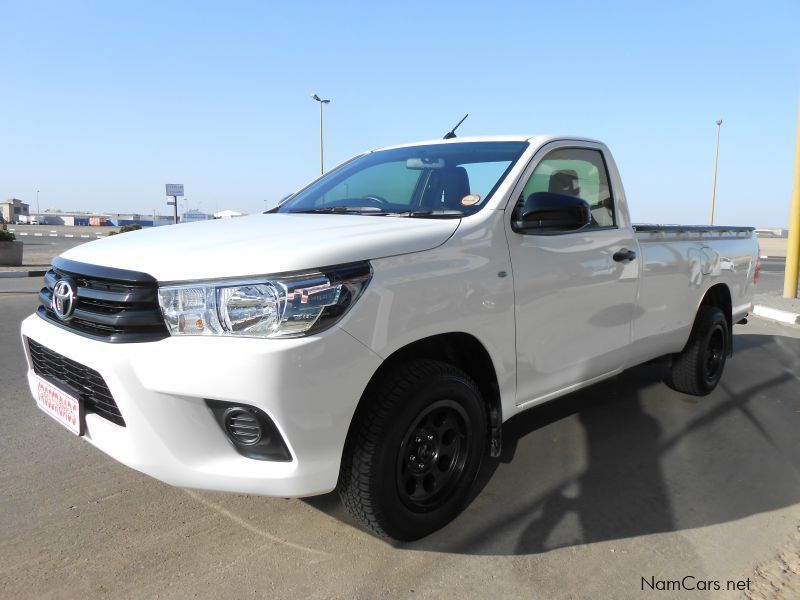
[174, 189]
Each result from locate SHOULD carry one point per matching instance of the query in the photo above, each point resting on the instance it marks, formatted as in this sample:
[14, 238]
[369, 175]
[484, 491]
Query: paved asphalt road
[594, 491]
[772, 273]
[43, 242]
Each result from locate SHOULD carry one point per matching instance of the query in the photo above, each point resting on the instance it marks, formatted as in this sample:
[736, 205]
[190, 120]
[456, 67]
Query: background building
[71, 218]
[194, 215]
[14, 210]
[120, 219]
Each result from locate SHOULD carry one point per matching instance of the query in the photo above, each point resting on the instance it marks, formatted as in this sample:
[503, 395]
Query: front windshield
[452, 179]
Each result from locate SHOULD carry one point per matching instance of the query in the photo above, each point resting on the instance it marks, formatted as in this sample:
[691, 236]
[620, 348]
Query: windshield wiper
[374, 210]
[430, 214]
[342, 210]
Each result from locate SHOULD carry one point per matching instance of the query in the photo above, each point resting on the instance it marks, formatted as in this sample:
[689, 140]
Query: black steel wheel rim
[433, 455]
[715, 354]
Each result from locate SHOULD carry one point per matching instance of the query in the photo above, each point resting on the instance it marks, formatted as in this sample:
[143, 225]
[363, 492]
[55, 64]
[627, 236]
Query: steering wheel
[377, 199]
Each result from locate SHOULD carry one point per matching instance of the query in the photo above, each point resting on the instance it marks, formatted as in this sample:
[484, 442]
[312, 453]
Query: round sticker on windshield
[470, 200]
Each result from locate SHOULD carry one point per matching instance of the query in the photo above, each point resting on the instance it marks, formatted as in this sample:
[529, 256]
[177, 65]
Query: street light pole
[37, 205]
[716, 160]
[321, 158]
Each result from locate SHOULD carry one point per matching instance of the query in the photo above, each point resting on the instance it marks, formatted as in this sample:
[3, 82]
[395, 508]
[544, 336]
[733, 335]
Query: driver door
[574, 302]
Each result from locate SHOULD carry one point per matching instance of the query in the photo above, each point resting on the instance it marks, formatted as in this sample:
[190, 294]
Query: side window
[578, 172]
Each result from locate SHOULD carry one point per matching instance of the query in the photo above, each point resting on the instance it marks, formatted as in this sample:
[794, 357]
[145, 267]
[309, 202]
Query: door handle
[624, 254]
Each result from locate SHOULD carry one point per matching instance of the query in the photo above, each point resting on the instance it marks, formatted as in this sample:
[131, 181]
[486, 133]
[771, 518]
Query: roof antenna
[452, 133]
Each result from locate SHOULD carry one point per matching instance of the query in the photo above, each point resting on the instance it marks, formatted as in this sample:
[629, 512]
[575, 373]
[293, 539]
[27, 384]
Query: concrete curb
[776, 314]
[13, 274]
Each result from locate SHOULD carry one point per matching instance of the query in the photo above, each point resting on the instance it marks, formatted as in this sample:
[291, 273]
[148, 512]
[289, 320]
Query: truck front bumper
[309, 387]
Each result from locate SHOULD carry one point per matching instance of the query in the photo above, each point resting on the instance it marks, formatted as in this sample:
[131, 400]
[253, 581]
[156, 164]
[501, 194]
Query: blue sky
[103, 103]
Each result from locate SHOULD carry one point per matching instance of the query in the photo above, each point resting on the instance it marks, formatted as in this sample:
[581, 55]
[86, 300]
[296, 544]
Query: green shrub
[125, 228]
[6, 236]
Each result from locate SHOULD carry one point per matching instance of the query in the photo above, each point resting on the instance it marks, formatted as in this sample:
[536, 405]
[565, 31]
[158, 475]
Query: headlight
[283, 306]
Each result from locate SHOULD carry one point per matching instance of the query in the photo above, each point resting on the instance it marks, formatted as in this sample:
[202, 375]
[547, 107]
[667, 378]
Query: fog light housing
[242, 426]
[250, 430]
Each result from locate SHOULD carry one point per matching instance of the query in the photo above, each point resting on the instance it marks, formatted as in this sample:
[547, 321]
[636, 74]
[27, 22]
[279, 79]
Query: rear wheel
[698, 368]
[415, 450]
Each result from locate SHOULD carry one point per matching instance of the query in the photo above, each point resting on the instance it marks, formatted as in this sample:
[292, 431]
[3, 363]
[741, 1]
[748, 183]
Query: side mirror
[548, 212]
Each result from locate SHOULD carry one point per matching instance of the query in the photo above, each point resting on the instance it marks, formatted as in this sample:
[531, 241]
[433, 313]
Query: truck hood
[262, 244]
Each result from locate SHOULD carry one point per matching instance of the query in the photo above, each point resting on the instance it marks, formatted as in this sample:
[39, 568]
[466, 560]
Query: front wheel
[698, 368]
[414, 451]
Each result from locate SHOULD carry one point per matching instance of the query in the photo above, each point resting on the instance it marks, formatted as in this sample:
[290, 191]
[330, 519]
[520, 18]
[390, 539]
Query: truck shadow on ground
[630, 457]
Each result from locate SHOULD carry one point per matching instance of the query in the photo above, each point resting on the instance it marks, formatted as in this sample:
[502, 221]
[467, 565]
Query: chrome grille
[111, 305]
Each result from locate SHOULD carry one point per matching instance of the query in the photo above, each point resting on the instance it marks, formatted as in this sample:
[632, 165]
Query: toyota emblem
[63, 299]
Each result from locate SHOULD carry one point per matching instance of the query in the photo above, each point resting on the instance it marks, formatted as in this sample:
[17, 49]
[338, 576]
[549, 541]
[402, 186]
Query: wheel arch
[719, 296]
[459, 349]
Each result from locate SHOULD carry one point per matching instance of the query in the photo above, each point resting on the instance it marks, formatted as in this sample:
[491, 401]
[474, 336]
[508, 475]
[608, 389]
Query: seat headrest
[455, 185]
[446, 188]
[565, 181]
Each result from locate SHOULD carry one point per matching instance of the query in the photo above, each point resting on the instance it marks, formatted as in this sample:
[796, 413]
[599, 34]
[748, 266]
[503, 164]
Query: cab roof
[536, 140]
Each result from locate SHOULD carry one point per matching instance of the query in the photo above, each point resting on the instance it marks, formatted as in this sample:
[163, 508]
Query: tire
[414, 450]
[697, 369]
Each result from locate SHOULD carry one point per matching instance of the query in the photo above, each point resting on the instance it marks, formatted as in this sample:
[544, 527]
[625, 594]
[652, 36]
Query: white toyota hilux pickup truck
[373, 332]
